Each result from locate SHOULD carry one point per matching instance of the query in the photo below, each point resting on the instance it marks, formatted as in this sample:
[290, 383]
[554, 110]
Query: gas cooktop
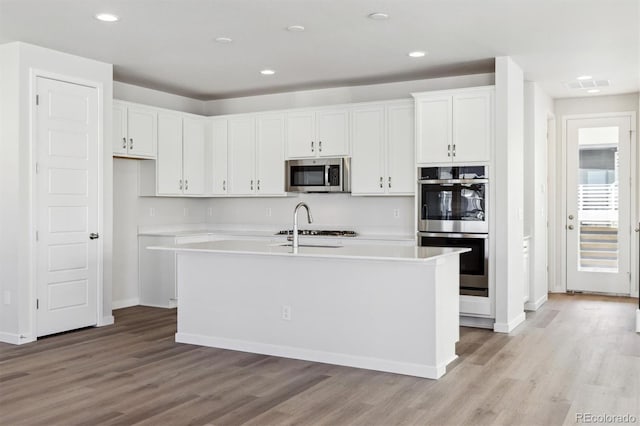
[319, 233]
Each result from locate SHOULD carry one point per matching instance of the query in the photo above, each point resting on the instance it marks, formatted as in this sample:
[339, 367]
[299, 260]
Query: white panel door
[242, 155]
[219, 154]
[141, 124]
[434, 130]
[193, 149]
[400, 150]
[270, 155]
[333, 133]
[66, 206]
[367, 165]
[301, 135]
[119, 129]
[598, 224]
[169, 162]
[471, 127]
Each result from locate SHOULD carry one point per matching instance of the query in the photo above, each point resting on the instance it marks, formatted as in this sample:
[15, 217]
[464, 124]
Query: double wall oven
[453, 212]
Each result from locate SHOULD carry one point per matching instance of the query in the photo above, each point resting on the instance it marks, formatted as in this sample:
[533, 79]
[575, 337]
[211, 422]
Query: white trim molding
[534, 306]
[502, 327]
[16, 339]
[126, 303]
[108, 320]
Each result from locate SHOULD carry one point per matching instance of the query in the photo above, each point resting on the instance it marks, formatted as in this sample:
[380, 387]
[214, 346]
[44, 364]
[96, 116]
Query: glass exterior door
[598, 205]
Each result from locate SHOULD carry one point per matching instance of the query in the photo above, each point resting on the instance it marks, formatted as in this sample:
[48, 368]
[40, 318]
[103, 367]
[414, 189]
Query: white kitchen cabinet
[454, 126]
[256, 154]
[218, 157]
[527, 265]
[322, 133]
[383, 149]
[134, 130]
[180, 166]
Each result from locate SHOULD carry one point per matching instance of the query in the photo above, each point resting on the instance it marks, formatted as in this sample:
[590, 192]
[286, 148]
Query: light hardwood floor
[576, 354]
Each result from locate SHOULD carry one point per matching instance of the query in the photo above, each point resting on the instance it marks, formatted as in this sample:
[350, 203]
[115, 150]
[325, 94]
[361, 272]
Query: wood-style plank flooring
[576, 354]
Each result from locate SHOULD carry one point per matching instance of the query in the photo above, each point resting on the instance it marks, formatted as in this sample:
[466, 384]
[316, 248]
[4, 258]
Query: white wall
[509, 201]
[16, 233]
[538, 110]
[142, 95]
[335, 211]
[342, 95]
[572, 106]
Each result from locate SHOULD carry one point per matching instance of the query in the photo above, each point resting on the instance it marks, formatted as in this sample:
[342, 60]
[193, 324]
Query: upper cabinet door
[169, 162]
[332, 133]
[141, 124]
[219, 156]
[241, 151]
[301, 135]
[270, 155]
[193, 149]
[434, 129]
[120, 142]
[367, 165]
[472, 126]
[400, 149]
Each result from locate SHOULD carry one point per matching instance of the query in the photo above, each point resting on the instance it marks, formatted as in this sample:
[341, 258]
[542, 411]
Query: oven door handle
[445, 181]
[452, 235]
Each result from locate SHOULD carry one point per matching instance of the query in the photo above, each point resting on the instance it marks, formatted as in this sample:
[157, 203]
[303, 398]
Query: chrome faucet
[295, 222]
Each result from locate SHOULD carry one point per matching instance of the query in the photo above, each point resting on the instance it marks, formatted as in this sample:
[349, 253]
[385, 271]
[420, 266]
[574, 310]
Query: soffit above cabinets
[170, 45]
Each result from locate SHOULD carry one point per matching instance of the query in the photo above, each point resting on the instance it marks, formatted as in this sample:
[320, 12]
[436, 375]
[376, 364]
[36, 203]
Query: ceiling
[169, 44]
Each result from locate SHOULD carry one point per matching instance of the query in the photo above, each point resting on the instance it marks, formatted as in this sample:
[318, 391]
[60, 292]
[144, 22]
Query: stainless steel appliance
[319, 175]
[453, 199]
[453, 212]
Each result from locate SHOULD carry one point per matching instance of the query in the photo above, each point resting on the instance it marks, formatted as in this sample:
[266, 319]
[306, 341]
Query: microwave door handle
[326, 175]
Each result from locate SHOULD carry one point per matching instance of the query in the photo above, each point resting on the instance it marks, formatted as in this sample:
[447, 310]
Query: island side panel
[372, 314]
[447, 313]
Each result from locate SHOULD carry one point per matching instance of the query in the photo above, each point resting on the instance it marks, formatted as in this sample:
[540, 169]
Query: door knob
[570, 227]
[94, 235]
[570, 217]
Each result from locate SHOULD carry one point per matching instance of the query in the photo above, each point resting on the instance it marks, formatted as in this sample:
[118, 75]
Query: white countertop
[363, 252]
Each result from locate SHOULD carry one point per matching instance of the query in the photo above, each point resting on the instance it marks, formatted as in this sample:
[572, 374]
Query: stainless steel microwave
[319, 175]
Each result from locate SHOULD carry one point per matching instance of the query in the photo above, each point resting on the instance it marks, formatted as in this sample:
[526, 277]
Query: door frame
[34, 74]
[634, 215]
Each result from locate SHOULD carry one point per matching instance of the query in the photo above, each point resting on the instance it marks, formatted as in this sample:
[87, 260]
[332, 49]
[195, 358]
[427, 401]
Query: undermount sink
[309, 245]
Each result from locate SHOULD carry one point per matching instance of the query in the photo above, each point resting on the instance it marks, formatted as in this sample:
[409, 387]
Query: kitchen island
[380, 307]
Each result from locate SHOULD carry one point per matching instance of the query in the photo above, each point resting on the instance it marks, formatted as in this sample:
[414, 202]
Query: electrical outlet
[210, 212]
[286, 312]
[396, 213]
[152, 212]
[7, 297]
[268, 212]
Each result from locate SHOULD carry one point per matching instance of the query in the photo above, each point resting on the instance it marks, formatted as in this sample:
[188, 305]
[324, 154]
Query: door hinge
[37, 303]
[37, 235]
[37, 100]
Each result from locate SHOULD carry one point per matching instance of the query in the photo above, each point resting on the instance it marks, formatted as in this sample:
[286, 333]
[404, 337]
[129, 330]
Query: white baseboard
[476, 322]
[508, 327]
[108, 320]
[534, 306]
[410, 369]
[119, 304]
[637, 320]
[15, 339]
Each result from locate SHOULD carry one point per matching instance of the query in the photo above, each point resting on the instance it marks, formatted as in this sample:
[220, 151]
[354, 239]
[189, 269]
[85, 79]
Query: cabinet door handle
[251, 185]
[124, 143]
[454, 149]
[186, 184]
[224, 185]
[258, 185]
[448, 150]
[131, 143]
[312, 149]
[381, 181]
[320, 146]
[180, 185]
[389, 181]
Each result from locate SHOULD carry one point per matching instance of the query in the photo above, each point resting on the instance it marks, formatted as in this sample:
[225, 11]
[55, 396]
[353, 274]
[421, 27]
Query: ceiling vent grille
[586, 84]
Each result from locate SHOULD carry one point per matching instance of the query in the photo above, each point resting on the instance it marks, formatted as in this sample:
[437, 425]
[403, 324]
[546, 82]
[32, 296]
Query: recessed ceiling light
[267, 72]
[224, 40]
[378, 16]
[295, 28]
[593, 91]
[584, 77]
[107, 17]
[417, 54]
